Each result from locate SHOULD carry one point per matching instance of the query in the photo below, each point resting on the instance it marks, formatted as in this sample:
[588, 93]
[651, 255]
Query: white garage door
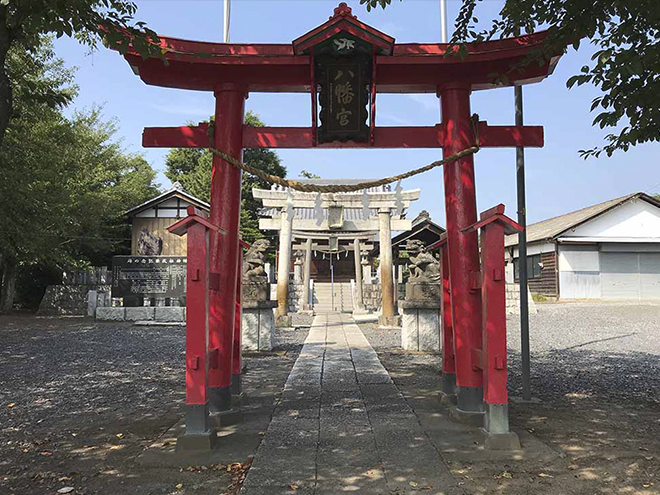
[630, 275]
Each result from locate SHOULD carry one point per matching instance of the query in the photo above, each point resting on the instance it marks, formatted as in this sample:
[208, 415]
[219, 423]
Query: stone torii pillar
[388, 318]
[359, 296]
[307, 274]
[282, 318]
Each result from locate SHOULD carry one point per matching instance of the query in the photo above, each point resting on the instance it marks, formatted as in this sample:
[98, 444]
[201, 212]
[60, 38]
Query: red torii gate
[232, 71]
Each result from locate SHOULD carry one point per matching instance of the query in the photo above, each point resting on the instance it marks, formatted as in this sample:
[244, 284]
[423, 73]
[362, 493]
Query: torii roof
[401, 67]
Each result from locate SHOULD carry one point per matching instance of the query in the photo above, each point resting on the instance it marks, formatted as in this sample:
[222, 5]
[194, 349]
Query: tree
[308, 175]
[192, 168]
[25, 22]
[66, 182]
[625, 66]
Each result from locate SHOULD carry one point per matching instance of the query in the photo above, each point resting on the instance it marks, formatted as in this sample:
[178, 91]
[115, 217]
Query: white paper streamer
[289, 206]
[366, 213]
[399, 199]
[318, 211]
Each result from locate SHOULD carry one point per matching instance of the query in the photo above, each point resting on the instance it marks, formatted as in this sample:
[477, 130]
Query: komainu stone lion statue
[424, 268]
[253, 263]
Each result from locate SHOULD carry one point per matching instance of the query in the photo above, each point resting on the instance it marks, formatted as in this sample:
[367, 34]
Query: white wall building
[606, 251]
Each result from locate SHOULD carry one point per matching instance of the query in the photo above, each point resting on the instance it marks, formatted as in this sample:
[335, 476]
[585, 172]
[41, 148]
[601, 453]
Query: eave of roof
[550, 229]
[172, 193]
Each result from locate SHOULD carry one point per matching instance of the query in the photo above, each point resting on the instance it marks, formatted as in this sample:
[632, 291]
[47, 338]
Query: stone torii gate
[343, 64]
[330, 217]
[358, 243]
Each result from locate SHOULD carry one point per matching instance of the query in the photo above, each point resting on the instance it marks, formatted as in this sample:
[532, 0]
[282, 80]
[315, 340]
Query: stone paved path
[342, 426]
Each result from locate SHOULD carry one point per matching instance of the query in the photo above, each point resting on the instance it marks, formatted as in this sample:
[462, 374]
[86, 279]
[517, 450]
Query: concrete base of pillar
[469, 407]
[447, 394]
[420, 328]
[198, 442]
[257, 326]
[500, 441]
[236, 385]
[227, 417]
[200, 435]
[282, 321]
[466, 417]
[309, 311]
[219, 399]
[389, 322]
[448, 385]
[446, 400]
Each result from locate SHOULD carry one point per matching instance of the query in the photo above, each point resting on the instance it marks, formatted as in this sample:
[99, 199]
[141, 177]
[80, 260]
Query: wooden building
[151, 219]
[610, 250]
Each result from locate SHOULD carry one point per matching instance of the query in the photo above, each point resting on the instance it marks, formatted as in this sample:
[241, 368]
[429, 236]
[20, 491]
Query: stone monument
[258, 319]
[422, 313]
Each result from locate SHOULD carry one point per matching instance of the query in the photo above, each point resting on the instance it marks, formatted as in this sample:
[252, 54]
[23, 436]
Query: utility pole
[522, 253]
[443, 21]
[227, 16]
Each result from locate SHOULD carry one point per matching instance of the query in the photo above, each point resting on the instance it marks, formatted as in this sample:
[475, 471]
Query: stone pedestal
[421, 325]
[258, 324]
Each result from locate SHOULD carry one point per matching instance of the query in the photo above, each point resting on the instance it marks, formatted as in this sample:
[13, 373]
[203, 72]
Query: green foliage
[308, 175]
[625, 67]
[66, 181]
[192, 168]
[25, 22]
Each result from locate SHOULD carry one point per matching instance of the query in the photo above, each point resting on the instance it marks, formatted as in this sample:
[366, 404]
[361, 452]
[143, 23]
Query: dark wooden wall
[547, 283]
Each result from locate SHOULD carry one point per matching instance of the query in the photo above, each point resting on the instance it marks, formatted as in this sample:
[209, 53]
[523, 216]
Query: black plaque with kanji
[149, 276]
[344, 97]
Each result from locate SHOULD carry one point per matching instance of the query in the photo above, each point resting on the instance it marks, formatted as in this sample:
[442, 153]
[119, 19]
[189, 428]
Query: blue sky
[558, 180]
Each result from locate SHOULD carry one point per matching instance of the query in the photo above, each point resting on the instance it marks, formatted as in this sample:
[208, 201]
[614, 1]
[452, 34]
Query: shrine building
[150, 220]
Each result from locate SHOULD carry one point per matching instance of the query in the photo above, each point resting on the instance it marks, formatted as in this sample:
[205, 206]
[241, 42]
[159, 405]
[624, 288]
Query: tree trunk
[6, 97]
[8, 285]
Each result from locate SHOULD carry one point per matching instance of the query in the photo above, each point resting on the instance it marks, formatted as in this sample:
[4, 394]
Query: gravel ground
[79, 400]
[381, 340]
[591, 349]
[596, 371]
[607, 349]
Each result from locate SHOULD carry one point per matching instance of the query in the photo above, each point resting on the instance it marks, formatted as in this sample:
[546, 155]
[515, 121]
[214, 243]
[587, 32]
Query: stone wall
[67, 299]
[294, 296]
[513, 300]
[373, 296]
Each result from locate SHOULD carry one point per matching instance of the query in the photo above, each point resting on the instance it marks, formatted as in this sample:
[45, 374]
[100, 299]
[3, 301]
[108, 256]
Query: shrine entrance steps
[324, 302]
[343, 426]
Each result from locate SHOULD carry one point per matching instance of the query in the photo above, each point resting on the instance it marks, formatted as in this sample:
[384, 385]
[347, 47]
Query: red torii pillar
[463, 248]
[225, 212]
[491, 358]
[200, 434]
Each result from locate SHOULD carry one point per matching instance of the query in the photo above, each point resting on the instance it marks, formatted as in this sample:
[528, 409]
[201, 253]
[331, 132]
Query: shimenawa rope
[339, 188]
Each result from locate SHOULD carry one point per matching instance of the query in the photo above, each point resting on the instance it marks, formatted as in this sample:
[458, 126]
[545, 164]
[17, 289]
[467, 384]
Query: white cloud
[428, 101]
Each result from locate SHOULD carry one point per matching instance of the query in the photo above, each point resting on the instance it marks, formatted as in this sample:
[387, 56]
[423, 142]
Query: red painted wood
[225, 211]
[343, 19]
[303, 137]
[493, 294]
[410, 67]
[312, 90]
[176, 137]
[448, 355]
[413, 74]
[197, 363]
[461, 210]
